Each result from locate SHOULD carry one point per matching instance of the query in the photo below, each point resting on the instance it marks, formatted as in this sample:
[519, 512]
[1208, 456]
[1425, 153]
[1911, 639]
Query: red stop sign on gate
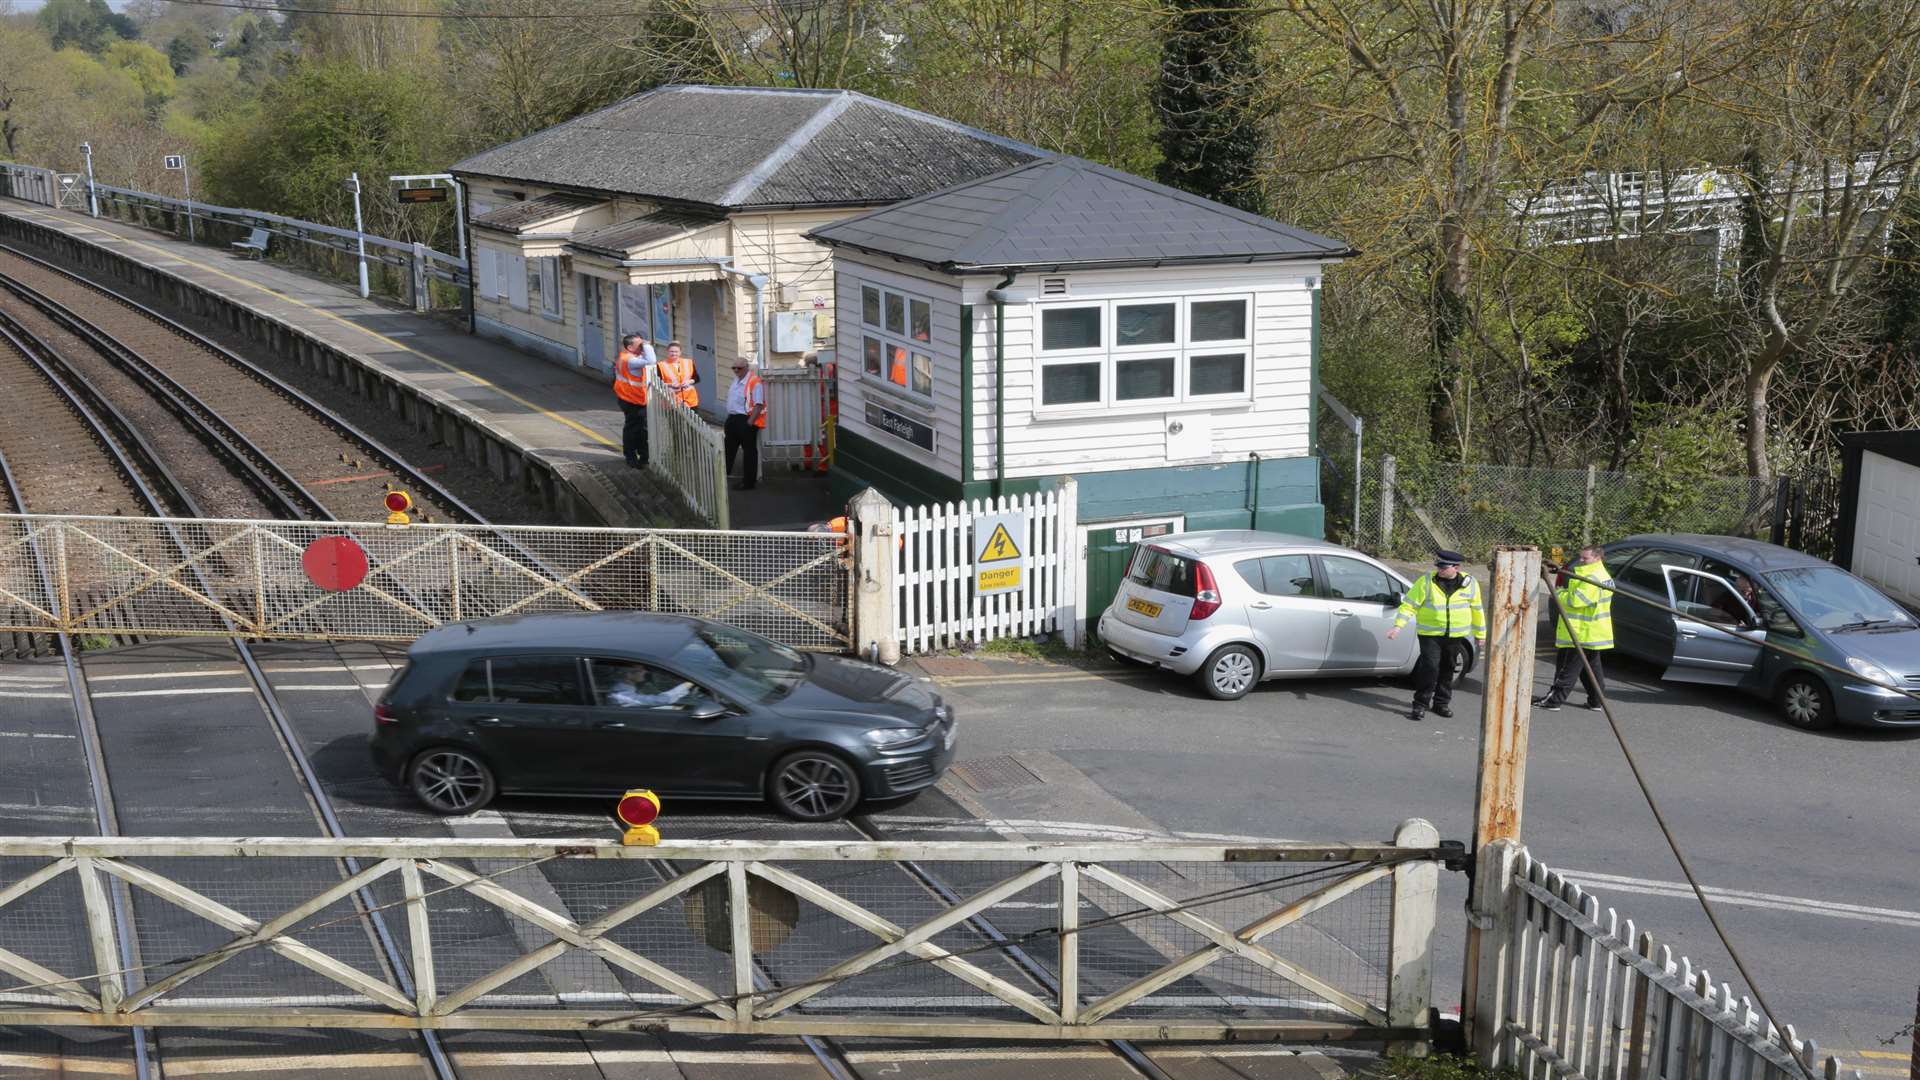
[335, 563]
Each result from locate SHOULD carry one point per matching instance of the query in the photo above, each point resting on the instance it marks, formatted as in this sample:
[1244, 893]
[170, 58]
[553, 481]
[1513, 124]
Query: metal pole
[93, 198]
[360, 233]
[460, 219]
[186, 183]
[1359, 462]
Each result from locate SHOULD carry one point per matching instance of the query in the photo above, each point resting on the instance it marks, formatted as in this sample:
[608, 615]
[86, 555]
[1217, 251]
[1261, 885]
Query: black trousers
[742, 435]
[633, 433]
[1566, 669]
[1433, 674]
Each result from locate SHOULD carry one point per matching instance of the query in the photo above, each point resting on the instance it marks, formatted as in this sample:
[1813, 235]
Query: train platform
[566, 418]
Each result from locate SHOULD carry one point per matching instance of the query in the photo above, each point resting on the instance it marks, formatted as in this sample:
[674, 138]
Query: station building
[1063, 318]
[682, 213]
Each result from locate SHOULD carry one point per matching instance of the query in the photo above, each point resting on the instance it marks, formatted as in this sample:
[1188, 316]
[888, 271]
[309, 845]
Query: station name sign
[421, 194]
[900, 426]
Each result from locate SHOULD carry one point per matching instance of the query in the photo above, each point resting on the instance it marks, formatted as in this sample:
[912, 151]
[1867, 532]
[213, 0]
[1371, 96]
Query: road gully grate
[996, 773]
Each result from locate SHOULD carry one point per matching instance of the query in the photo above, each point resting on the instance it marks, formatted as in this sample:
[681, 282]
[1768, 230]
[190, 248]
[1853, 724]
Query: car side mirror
[707, 709]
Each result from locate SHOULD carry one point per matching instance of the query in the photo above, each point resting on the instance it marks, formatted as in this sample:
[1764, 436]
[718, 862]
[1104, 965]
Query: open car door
[1717, 639]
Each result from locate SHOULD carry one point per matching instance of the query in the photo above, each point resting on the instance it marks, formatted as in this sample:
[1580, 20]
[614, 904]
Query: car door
[527, 714]
[1361, 599]
[1704, 649]
[654, 729]
[1641, 625]
[1289, 619]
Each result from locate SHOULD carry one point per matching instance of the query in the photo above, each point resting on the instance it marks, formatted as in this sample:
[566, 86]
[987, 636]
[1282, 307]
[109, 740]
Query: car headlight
[893, 736]
[1873, 673]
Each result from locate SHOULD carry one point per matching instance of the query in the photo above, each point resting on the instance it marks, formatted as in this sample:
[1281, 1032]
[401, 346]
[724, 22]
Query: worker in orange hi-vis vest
[678, 375]
[630, 386]
[746, 418]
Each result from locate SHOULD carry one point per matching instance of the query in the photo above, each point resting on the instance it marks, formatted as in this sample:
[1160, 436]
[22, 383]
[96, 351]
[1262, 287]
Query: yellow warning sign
[997, 562]
[1000, 546]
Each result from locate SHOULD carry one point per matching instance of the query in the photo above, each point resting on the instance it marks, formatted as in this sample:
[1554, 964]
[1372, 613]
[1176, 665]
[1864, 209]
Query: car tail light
[383, 714]
[1206, 593]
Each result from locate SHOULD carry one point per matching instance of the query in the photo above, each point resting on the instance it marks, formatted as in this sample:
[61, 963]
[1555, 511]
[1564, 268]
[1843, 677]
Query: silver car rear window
[1158, 568]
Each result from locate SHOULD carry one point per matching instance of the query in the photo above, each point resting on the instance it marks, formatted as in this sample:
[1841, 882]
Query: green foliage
[84, 24]
[1213, 141]
[292, 148]
[183, 50]
[1434, 1067]
[147, 66]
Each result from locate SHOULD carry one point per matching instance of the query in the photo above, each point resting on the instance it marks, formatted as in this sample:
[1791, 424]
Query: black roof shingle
[1068, 212]
[740, 147]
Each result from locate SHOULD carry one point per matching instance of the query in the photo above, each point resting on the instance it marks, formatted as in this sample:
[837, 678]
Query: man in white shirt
[631, 691]
[746, 418]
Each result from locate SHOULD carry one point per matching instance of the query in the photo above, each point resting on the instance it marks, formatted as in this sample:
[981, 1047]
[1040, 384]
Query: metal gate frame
[108, 997]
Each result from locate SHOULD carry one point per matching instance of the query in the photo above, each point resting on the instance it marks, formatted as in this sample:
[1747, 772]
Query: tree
[183, 50]
[1212, 134]
[148, 67]
[84, 24]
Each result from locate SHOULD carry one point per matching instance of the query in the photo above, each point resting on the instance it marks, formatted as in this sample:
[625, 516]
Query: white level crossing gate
[1174, 940]
[949, 595]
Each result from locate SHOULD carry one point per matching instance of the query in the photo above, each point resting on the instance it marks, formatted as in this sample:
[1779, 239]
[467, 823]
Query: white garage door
[1886, 528]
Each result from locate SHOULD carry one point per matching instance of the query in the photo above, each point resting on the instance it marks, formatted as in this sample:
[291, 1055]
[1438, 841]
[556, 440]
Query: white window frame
[551, 305]
[904, 340]
[1111, 354]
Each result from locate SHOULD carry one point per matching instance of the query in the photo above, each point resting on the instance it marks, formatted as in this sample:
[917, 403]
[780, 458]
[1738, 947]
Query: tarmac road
[1809, 839]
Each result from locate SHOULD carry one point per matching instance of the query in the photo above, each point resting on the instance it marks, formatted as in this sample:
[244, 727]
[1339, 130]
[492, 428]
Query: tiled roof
[1067, 212]
[520, 216]
[742, 147]
[626, 235]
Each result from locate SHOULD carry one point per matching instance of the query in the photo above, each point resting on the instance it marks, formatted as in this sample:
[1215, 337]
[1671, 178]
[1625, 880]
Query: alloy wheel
[451, 782]
[815, 787]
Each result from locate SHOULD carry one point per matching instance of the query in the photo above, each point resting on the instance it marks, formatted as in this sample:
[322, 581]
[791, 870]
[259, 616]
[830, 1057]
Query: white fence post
[1490, 915]
[875, 590]
[1389, 469]
[1416, 891]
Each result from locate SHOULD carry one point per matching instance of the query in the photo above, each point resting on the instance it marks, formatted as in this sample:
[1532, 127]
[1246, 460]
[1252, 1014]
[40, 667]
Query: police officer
[1445, 607]
[1586, 621]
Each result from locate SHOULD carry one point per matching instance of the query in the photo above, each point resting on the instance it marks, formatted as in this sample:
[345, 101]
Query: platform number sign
[175, 162]
[998, 558]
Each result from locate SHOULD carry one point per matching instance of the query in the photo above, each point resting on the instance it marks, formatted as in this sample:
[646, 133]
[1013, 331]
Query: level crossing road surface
[1808, 841]
[188, 750]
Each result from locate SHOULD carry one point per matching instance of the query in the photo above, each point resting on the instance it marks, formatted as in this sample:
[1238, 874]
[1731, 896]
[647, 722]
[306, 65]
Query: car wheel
[813, 785]
[451, 781]
[1806, 702]
[1462, 663]
[1230, 672]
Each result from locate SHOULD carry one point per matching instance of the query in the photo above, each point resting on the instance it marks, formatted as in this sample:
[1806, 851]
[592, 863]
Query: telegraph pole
[1502, 778]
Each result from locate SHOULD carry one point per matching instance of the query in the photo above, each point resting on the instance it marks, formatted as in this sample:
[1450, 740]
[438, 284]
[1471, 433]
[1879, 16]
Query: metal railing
[419, 264]
[687, 452]
[1155, 940]
[796, 398]
[371, 582]
[1576, 992]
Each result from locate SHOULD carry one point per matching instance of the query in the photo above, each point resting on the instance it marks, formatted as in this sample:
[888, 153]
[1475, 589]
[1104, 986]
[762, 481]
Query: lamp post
[359, 231]
[93, 200]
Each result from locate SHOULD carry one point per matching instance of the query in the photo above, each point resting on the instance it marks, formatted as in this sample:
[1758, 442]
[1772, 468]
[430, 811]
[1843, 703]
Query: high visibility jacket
[897, 372]
[756, 387]
[1438, 613]
[630, 378]
[1586, 609]
[678, 375]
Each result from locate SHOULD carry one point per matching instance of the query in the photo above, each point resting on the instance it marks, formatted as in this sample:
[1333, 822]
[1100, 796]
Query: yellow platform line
[376, 335]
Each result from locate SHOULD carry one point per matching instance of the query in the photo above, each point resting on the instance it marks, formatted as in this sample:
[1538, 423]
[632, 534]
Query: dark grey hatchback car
[594, 704]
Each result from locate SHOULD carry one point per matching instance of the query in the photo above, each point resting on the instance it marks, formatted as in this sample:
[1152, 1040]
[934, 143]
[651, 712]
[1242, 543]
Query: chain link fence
[1407, 512]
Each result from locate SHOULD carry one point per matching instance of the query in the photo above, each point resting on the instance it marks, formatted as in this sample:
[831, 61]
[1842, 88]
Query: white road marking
[35, 680]
[197, 673]
[176, 692]
[1773, 901]
[35, 735]
[31, 694]
[355, 687]
[301, 669]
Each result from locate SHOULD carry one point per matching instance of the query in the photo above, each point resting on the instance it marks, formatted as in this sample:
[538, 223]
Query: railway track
[305, 454]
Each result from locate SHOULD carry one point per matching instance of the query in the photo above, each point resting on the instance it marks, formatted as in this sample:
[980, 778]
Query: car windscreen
[745, 665]
[1158, 568]
[1833, 600]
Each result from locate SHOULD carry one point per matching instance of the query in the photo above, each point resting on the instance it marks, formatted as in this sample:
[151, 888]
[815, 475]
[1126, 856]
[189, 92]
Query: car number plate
[1144, 607]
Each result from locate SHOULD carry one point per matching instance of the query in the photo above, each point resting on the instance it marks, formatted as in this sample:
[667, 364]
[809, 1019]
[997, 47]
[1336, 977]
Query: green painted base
[1211, 496]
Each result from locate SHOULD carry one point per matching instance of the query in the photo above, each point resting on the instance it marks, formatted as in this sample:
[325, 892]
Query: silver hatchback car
[1232, 608]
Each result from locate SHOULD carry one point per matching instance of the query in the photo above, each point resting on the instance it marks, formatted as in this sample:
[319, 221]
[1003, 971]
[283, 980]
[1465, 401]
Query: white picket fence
[687, 452]
[933, 570]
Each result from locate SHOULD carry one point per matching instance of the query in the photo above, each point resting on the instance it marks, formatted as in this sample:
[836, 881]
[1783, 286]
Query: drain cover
[996, 773]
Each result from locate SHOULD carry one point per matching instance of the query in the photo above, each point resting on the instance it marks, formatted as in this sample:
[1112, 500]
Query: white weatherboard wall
[1275, 422]
[1886, 532]
[857, 387]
